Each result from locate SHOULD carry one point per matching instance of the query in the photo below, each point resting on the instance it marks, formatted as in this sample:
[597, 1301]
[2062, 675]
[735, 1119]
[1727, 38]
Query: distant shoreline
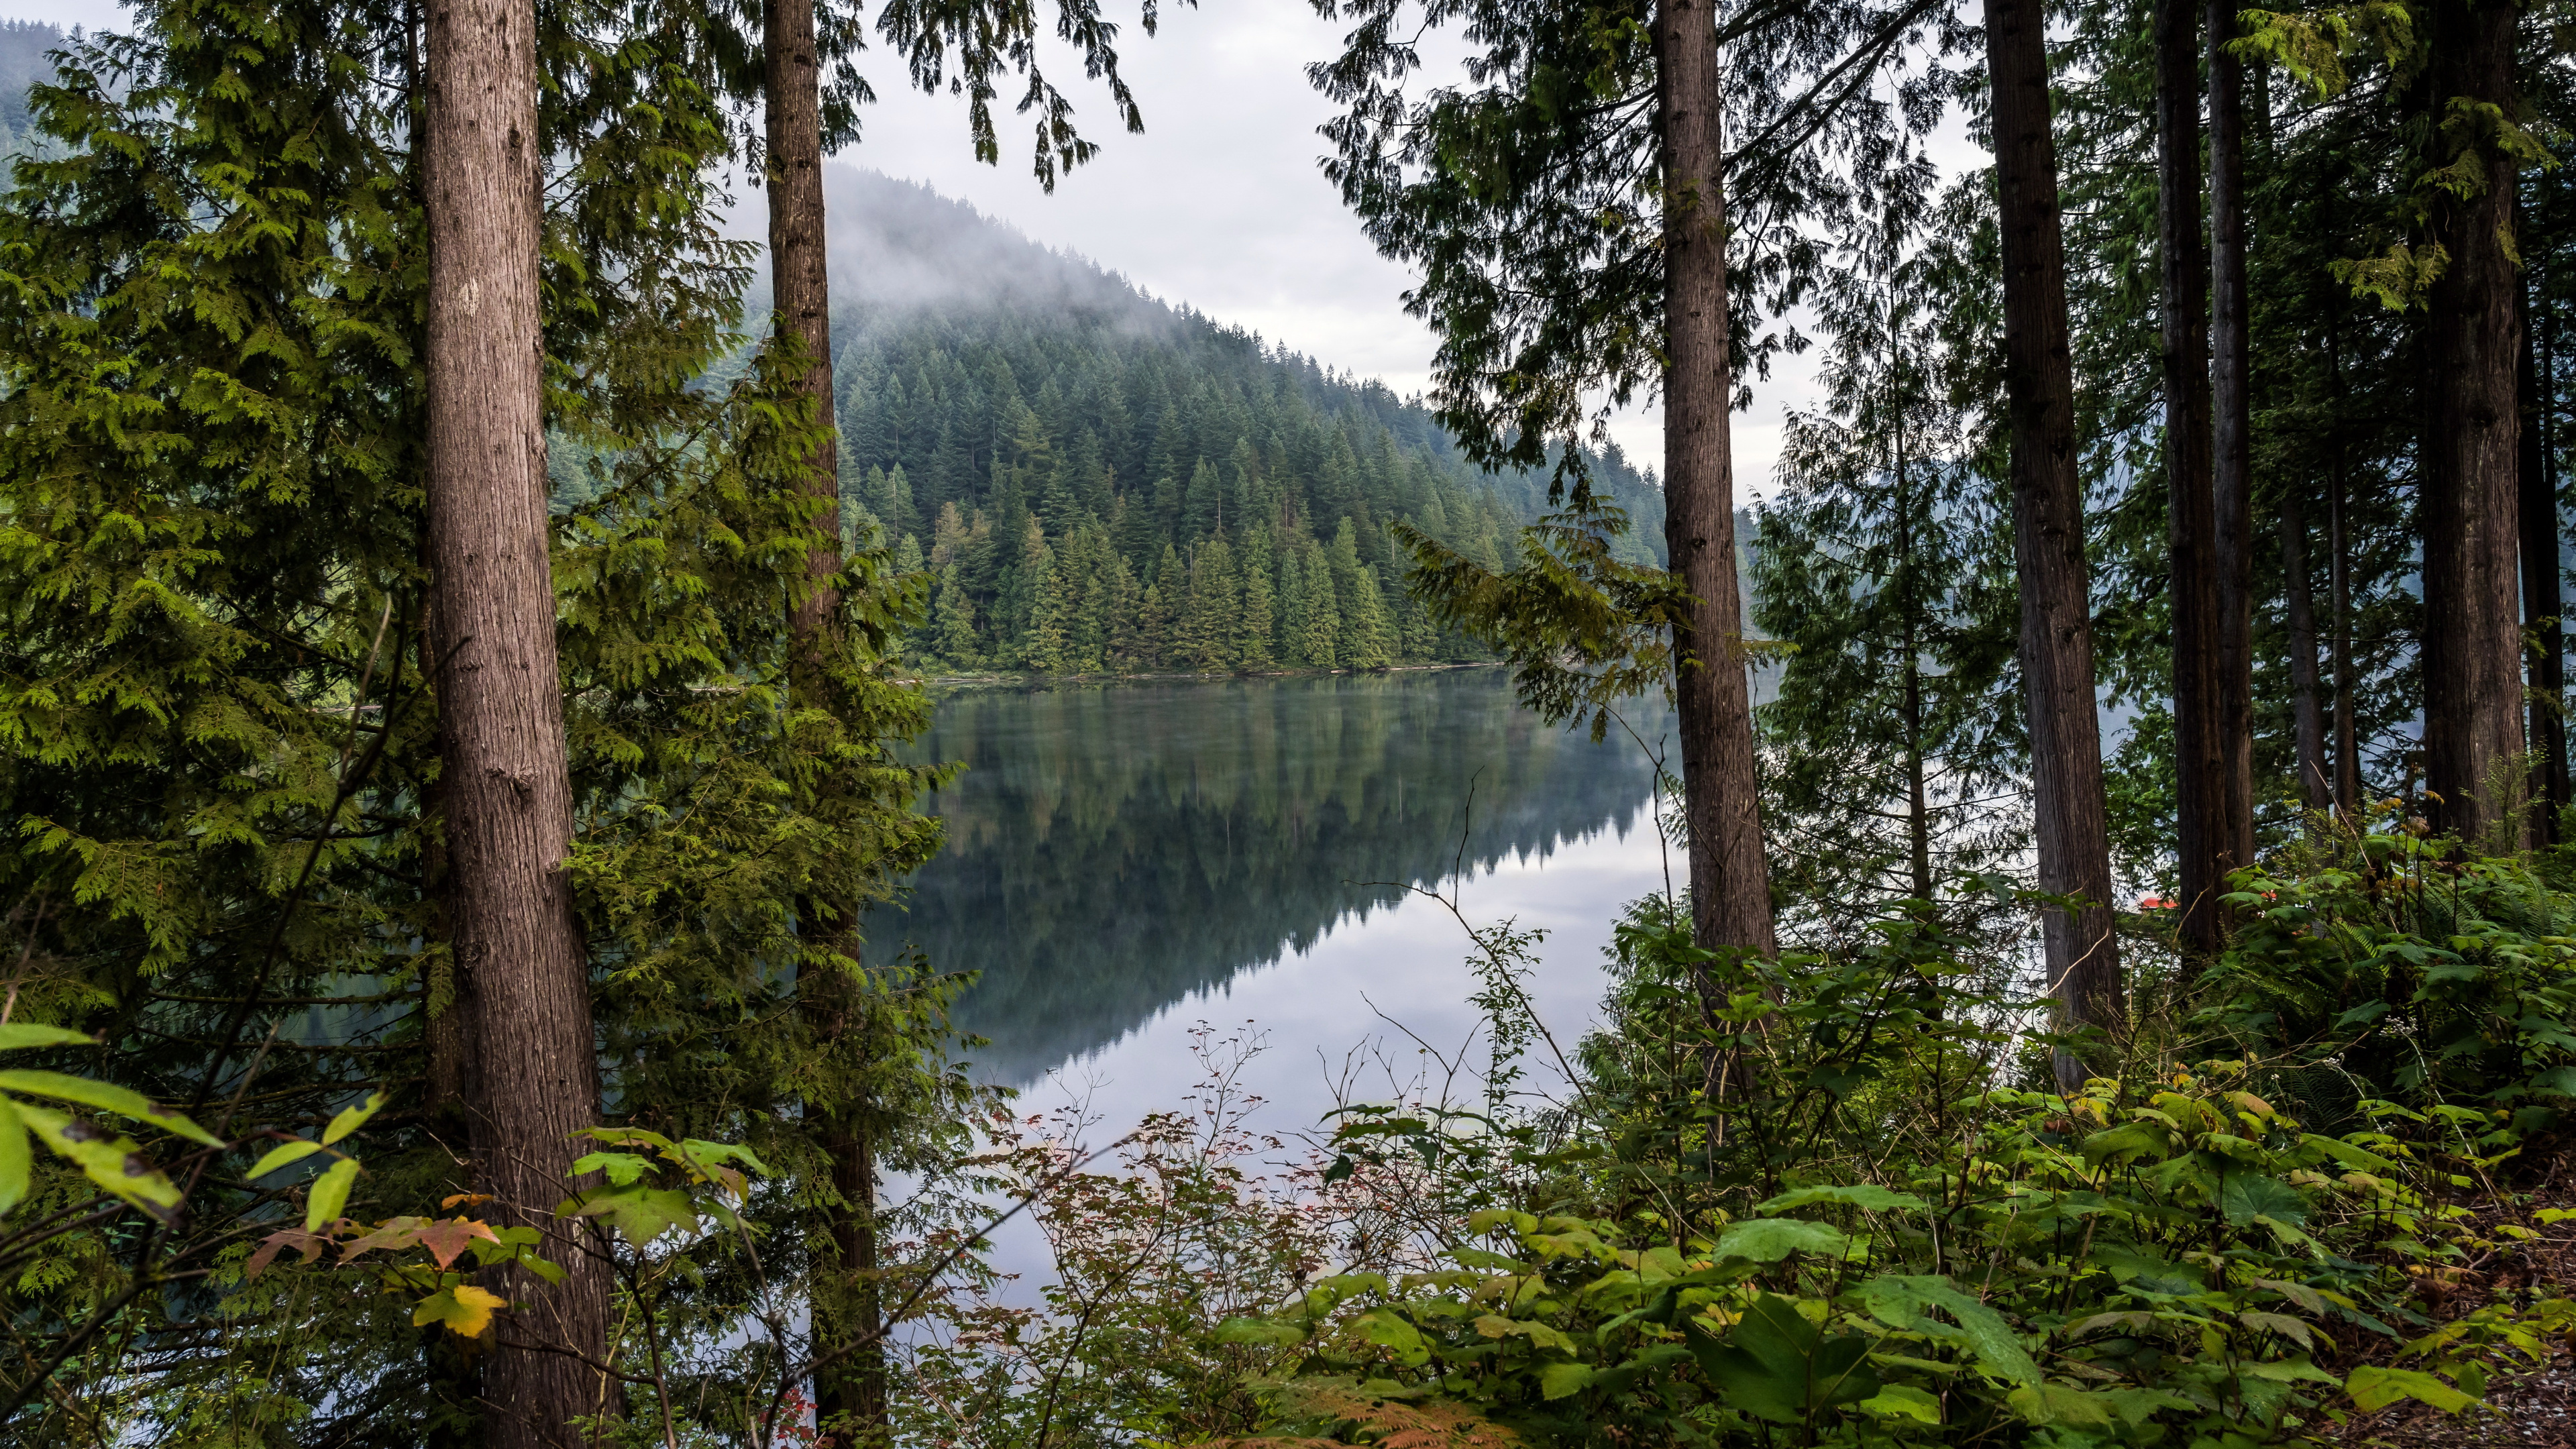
[1019, 680]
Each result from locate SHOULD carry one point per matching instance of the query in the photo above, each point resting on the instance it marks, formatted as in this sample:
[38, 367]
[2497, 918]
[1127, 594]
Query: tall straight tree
[2231, 434]
[2081, 955]
[1568, 209]
[1730, 881]
[504, 781]
[2201, 796]
[2537, 473]
[2472, 646]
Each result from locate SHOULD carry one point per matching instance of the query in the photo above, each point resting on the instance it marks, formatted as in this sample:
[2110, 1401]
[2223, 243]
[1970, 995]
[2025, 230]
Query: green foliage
[1127, 443]
[1821, 1218]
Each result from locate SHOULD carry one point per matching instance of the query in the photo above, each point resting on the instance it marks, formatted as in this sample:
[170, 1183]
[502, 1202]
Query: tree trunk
[2200, 758]
[504, 782]
[799, 280]
[2231, 431]
[2540, 592]
[2081, 955]
[2472, 647]
[2316, 788]
[1730, 883]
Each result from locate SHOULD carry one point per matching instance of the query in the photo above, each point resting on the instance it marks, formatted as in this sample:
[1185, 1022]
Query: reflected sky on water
[1126, 861]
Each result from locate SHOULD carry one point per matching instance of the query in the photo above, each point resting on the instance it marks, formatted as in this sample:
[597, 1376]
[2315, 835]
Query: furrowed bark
[1730, 882]
[2472, 647]
[2200, 763]
[2074, 858]
[504, 783]
[2231, 375]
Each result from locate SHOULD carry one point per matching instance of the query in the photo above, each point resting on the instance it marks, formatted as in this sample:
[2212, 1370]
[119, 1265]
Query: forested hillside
[1103, 482]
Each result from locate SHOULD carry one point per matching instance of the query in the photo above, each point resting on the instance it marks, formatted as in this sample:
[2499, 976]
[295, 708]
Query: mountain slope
[1103, 481]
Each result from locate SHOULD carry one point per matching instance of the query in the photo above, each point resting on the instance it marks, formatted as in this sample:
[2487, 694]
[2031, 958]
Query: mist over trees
[1096, 481]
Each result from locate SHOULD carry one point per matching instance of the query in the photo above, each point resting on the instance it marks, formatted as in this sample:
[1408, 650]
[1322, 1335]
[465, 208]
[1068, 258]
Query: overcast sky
[1219, 204]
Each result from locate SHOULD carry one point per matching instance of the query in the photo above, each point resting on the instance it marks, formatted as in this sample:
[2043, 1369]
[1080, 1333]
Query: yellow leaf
[465, 1309]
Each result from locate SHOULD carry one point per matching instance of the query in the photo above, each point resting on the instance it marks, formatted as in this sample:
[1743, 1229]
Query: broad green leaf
[1900, 1302]
[704, 1154]
[465, 1309]
[640, 1213]
[1768, 1240]
[1495, 1325]
[106, 1097]
[1776, 1365]
[1865, 1196]
[2046, 1403]
[17, 1035]
[1388, 1330]
[623, 1169]
[17, 1159]
[284, 1154]
[1261, 1331]
[2280, 1323]
[1897, 1401]
[2375, 1388]
[115, 1164]
[2247, 1196]
[1564, 1380]
[329, 1194]
[2290, 1371]
[2136, 1406]
[350, 1119]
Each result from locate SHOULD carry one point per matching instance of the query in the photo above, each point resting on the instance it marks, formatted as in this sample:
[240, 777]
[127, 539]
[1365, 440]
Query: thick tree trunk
[2081, 955]
[2231, 430]
[1730, 882]
[504, 783]
[2200, 763]
[2541, 606]
[2472, 649]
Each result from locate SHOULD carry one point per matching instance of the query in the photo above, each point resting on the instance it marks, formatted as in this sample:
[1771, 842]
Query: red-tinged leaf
[392, 1233]
[448, 1239]
[309, 1244]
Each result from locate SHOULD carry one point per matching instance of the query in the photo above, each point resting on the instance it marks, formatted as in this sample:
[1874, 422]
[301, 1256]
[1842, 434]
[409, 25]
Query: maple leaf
[446, 1240]
[309, 1244]
[465, 1309]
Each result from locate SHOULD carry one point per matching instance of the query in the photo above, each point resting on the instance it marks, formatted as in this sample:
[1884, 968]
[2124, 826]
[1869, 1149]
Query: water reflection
[1117, 849]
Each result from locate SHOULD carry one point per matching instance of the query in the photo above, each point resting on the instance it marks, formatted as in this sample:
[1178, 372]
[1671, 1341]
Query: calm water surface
[1128, 861]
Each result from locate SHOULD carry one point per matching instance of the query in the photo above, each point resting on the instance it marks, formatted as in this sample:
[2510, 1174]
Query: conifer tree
[1254, 623]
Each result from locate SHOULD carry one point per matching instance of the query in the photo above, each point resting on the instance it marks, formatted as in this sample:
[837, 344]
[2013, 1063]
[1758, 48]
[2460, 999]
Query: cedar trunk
[2200, 763]
[2080, 953]
[2472, 648]
[2231, 431]
[504, 787]
[1730, 883]
[2540, 593]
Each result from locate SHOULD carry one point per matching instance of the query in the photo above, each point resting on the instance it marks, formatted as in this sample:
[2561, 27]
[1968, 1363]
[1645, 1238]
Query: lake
[1126, 861]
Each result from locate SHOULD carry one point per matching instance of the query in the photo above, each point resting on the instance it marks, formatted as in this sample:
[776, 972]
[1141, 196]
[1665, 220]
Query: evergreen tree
[1254, 622]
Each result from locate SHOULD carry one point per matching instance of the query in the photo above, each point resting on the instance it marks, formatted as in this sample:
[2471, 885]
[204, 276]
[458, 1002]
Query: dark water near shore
[1126, 859]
